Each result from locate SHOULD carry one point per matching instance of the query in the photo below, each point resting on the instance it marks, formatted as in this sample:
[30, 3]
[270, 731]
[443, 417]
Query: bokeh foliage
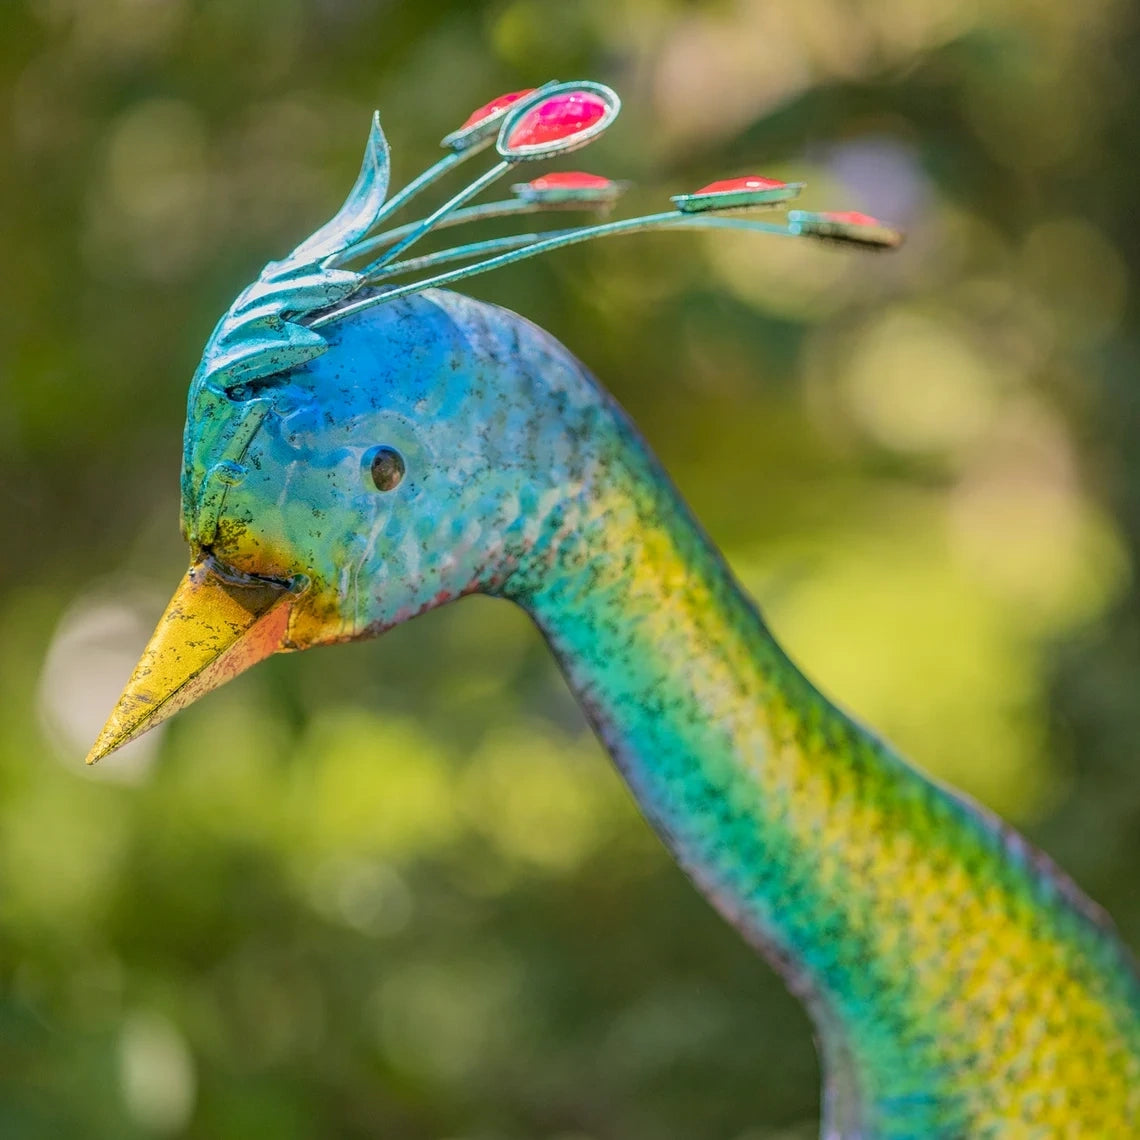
[395, 889]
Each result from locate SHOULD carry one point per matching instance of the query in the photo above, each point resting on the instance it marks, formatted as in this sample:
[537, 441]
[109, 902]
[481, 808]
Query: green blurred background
[395, 890]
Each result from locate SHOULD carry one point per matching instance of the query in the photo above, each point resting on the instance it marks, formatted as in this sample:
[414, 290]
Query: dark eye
[387, 468]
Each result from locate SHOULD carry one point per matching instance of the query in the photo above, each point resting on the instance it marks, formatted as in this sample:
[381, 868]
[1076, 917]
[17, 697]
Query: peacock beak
[214, 628]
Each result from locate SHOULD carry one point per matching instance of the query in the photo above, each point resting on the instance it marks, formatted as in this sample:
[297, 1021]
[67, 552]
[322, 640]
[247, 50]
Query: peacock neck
[930, 944]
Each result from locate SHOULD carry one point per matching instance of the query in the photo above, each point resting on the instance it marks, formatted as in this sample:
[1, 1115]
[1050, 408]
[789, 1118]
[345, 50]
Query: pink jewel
[735, 185]
[573, 189]
[845, 226]
[570, 180]
[488, 109]
[559, 117]
[850, 218]
[749, 192]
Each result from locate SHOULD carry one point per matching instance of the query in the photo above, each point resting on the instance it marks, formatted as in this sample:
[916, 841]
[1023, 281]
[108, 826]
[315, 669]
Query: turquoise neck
[687, 689]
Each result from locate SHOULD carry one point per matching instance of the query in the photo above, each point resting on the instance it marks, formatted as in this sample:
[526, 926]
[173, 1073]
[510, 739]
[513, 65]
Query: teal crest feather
[273, 325]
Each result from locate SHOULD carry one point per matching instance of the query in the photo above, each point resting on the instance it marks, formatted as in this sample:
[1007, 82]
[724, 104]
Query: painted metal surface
[961, 986]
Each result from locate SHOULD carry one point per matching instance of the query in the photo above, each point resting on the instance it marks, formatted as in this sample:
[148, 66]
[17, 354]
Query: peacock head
[359, 450]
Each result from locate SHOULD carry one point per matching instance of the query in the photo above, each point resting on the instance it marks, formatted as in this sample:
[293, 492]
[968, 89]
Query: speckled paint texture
[960, 985]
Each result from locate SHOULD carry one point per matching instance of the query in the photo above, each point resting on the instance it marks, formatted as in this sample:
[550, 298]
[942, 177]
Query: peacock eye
[386, 467]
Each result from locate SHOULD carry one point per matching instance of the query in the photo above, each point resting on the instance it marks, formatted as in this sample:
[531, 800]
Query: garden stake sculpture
[359, 451]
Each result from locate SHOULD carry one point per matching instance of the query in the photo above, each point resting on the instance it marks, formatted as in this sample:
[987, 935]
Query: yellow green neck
[959, 983]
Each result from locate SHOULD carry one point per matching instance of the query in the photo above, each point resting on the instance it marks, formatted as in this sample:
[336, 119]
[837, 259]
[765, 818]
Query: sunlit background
[395, 890]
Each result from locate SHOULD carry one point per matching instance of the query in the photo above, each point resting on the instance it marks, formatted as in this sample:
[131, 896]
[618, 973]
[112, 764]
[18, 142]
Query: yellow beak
[212, 630]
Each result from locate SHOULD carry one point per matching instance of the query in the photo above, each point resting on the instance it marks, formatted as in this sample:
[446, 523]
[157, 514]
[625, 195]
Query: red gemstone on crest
[735, 185]
[559, 117]
[570, 180]
[851, 218]
[488, 109]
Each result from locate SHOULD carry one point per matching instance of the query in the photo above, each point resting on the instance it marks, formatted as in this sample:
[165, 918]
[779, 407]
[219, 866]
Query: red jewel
[570, 180]
[488, 109]
[736, 185]
[557, 118]
[851, 218]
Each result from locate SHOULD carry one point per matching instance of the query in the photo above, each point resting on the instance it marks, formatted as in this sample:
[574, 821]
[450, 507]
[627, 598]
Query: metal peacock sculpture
[360, 450]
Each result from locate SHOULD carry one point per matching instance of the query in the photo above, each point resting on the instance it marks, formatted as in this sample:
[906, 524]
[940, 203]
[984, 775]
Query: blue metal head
[412, 462]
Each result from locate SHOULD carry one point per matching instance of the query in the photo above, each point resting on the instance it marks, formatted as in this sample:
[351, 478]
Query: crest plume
[273, 325]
